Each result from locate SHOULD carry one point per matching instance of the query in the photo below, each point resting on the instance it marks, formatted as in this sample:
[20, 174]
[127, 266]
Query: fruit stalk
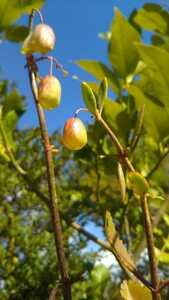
[150, 246]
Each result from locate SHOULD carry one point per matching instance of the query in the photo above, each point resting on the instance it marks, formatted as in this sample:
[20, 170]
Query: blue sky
[77, 24]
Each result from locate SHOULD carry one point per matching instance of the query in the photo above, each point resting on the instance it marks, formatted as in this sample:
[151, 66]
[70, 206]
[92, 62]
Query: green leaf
[89, 97]
[132, 22]
[122, 53]
[10, 11]
[14, 101]
[134, 290]
[11, 108]
[106, 146]
[163, 256]
[137, 183]
[152, 17]
[117, 245]
[160, 41]
[166, 219]
[100, 71]
[139, 69]
[117, 117]
[157, 61]
[94, 86]
[102, 94]
[9, 122]
[16, 33]
[155, 115]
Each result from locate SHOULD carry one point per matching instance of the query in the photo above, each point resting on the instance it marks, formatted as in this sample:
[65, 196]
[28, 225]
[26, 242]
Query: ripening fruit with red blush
[49, 92]
[40, 40]
[74, 134]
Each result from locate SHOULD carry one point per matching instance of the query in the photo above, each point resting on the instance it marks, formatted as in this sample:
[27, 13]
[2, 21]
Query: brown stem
[150, 245]
[127, 233]
[156, 219]
[54, 293]
[53, 198]
[115, 141]
[163, 284]
[97, 178]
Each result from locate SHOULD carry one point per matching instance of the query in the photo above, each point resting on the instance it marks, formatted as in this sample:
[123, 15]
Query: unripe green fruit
[74, 135]
[49, 92]
[41, 40]
[15, 260]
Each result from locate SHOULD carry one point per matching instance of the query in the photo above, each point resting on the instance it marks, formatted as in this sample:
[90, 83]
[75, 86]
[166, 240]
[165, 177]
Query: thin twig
[157, 164]
[127, 233]
[90, 236]
[150, 245]
[163, 284]
[54, 60]
[138, 128]
[98, 178]
[9, 151]
[120, 149]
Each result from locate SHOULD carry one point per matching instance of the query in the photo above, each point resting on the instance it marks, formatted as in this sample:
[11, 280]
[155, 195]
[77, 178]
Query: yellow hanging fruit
[74, 135]
[40, 40]
[49, 92]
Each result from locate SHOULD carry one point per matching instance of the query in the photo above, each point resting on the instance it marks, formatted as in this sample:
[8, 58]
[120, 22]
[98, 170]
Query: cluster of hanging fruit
[41, 40]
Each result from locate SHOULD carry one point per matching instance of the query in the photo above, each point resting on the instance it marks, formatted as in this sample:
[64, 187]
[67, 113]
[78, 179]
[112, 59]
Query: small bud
[74, 135]
[41, 40]
[49, 92]
[122, 183]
